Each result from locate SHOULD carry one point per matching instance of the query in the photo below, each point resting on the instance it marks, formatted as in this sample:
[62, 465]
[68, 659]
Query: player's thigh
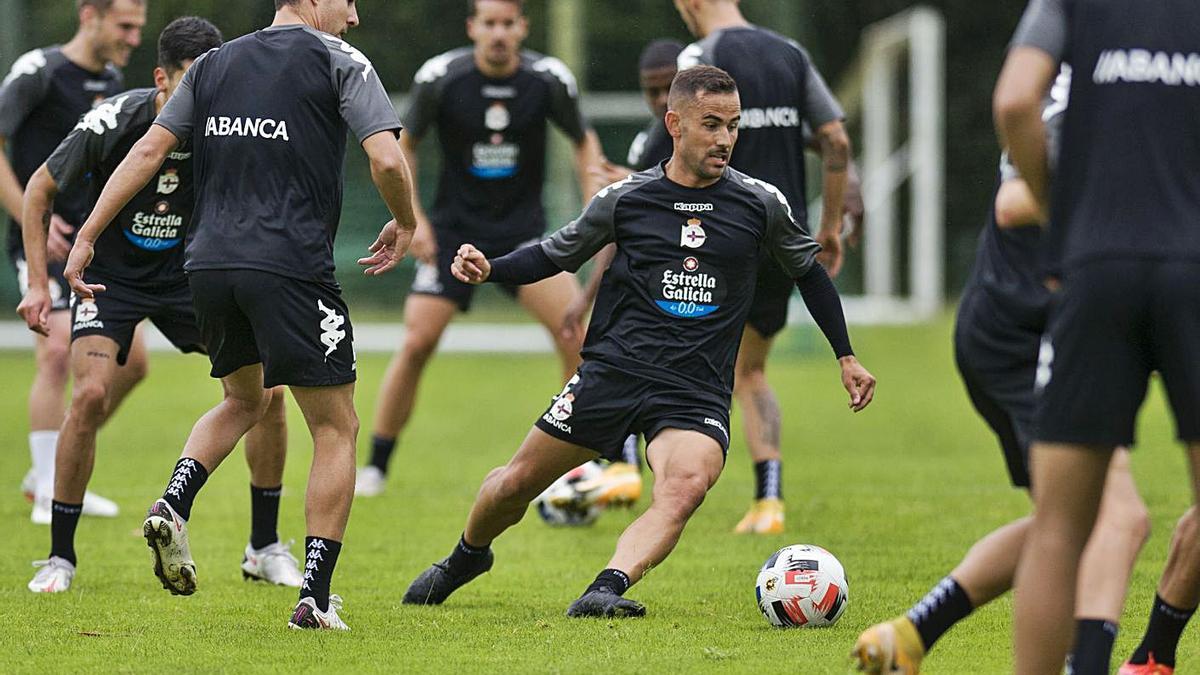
[685, 455]
[1121, 499]
[328, 407]
[541, 460]
[93, 367]
[55, 347]
[548, 299]
[425, 320]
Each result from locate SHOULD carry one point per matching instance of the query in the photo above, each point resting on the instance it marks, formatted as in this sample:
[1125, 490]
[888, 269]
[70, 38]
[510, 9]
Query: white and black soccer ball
[802, 586]
[563, 504]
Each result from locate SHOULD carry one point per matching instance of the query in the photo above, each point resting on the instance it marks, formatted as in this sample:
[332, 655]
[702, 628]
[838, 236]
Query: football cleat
[437, 583]
[306, 616]
[891, 648]
[29, 485]
[53, 575]
[1150, 667]
[606, 604]
[619, 486]
[166, 535]
[764, 517]
[99, 507]
[369, 481]
[41, 513]
[273, 564]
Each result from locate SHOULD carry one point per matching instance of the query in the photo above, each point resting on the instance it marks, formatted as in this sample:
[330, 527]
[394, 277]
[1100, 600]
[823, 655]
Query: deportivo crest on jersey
[497, 118]
[692, 235]
[168, 182]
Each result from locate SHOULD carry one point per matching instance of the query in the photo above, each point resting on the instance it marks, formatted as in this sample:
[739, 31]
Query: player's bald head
[689, 85]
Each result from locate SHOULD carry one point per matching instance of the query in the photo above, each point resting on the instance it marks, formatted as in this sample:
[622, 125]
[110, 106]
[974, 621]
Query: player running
[1124, 216]
[267, 116]
[1001, 319]
[661, 344]
[141, 266]
[490, 105]
[41, 99]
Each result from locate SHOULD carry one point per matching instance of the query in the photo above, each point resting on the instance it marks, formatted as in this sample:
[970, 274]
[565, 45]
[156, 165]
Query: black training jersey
[267, 114]
[650, 146]
[781, 90]
[1129, 185]
[673, 303]
[492, 134]
[41, 100]
[144, 243]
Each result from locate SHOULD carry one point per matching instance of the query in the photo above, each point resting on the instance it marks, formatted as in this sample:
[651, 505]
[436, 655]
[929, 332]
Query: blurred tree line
[398, 35]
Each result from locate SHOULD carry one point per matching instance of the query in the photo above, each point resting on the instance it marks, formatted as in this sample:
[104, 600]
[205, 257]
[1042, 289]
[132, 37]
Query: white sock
[42, 446]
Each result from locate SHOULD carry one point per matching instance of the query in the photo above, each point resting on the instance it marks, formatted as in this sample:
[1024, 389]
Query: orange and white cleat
[891, 648]
[619, 486]
[1150, 667]
[764, 517]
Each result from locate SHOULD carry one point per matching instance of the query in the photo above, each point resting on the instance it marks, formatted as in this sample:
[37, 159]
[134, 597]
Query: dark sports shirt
[492, 134]
[1129, 184]
[651, 146]
[267, 115]
[144, 243]
[781, 91]
[41, 100]
[673, 303]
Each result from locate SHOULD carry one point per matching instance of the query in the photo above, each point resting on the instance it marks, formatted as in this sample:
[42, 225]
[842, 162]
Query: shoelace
[282, 550]
[51, 562]
[335, 602]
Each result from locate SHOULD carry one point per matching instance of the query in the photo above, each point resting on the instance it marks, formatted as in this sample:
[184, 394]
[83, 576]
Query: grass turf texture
[898, 493]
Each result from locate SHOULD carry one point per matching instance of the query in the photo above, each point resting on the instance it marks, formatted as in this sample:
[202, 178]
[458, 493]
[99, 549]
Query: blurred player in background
[1001, 319]
[140, 264]
[1124, 208]
[267, 115]
[41, 100]
[660, 350]
[490, 105]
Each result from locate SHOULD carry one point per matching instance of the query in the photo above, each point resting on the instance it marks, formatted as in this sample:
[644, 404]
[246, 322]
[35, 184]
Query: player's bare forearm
[835, 166]
[139, 166]
[600, 265]
[10, 187]
[408, 143]
[1017, 107]
[588, 159]
[389, 171]
[36, 212]
[1016, 206]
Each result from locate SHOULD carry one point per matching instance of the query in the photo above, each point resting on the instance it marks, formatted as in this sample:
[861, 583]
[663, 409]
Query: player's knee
[510, 487]
[1127, 518]
[418, 347]
[1187, 529]
[276, 408]
[248, 406]
[53, 361]
[89, 401]
[682, 495]
[748, 378]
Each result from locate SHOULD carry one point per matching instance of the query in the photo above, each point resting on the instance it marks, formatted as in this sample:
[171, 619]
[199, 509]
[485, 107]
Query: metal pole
[567, 42]
[12, 27]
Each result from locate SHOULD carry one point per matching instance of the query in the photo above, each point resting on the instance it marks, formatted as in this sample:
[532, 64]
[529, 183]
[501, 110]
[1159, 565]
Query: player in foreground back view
[267, 115]
[660, 348]
[1124, 207]
[141, 266]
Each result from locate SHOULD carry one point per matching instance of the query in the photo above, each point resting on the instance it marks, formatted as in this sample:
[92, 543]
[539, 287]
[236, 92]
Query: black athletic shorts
[997, 360]
[602, 405]
[772, 293]
[1118, 321]
[436, 280]
[60, 290]
[299, 330]
[117, 311]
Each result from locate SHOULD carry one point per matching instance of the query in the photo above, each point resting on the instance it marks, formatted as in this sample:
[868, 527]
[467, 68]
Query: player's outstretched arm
[825, 306]
[1017, 106]
[389, 171]
[37, 213]
[139, 166]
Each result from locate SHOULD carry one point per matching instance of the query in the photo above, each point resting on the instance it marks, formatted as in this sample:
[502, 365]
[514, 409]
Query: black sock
[611, 579]
[186, 481]
[63, 519]
[264, 516]
[629, 451]
[768, 479]
[381, 452]
[1162, 635]
[945, 605]
[1092, 654]
[320, 557]
[465, 556]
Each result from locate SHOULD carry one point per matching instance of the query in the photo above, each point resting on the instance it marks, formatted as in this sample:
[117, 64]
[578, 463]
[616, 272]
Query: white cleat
[40, 515]
[29, 485]
[273, 564]
[369, 481]
[306, 616]
[166, 535]
[53, 576]
[99, 507]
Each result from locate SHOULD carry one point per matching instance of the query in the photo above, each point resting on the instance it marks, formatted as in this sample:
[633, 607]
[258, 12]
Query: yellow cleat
[619, 486]
[764, 517]
[892, 648]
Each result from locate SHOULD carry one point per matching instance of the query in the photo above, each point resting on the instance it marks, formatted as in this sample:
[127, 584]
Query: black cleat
[438, 582]
[604, 603]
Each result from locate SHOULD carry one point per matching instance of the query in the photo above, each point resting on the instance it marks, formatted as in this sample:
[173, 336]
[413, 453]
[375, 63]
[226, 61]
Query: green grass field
[898, 493]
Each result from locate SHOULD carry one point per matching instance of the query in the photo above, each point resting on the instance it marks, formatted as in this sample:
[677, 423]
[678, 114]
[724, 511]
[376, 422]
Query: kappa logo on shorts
[1045, 365]
[331, 336]
[426, 279]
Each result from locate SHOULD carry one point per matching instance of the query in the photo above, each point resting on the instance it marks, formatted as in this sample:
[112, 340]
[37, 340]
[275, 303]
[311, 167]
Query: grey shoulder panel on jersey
[98, 133]
[788, 242]
[565, 112]
[820, 105]
[429, 83]
[1044, 26]
[699, 53]
[26, 85]
[595, 228]
[362, 99]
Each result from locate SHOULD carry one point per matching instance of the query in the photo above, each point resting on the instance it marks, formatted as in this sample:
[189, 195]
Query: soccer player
[41, 99]
[1124, 212]
[490, 104]
[661, 344]
[1001, 319]
[267, 116]
[656, 70]
[781, 93]
[141, 266]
